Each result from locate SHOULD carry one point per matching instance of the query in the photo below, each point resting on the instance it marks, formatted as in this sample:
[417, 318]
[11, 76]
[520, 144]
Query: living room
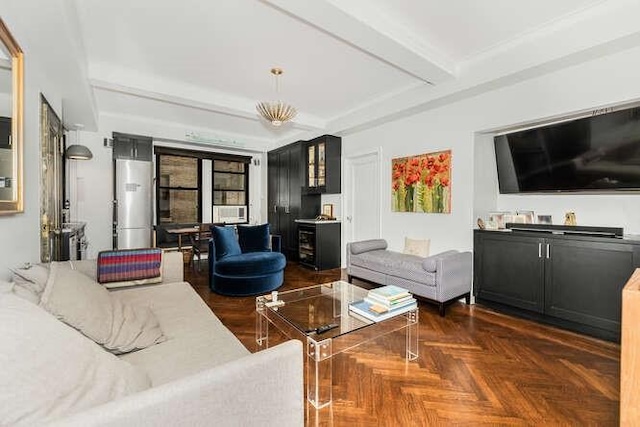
[571, 62]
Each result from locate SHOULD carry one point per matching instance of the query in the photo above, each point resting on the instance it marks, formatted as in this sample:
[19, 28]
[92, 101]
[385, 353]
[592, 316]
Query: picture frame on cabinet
[545, 219]
[327, 210]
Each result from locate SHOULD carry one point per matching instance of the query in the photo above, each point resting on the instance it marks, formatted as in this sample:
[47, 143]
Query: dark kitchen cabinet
[132, 147]
[319, 244]
[323, 165]
[286, 203]
[571, 281]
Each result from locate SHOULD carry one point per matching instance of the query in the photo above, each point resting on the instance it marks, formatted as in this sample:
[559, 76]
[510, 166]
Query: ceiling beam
[196, 98]
[372, 35]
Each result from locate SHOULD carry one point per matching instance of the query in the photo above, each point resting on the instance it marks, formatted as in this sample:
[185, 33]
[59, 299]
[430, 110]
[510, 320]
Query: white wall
[91, 181]
[462, 127]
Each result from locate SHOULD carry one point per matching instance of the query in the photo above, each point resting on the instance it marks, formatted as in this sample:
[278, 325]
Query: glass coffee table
[319, 316]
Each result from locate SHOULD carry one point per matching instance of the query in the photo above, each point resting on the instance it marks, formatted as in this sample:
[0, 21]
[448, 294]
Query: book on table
[369, 311]
[389, 293]
[376, 299]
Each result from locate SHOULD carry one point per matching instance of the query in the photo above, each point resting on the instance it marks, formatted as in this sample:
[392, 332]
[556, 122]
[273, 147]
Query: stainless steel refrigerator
[133, 221]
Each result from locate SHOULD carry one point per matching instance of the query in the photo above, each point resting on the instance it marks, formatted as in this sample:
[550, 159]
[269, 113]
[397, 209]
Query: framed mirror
[11, 123]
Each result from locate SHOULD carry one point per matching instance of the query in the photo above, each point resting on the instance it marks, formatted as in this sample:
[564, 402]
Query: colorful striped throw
[128, 265]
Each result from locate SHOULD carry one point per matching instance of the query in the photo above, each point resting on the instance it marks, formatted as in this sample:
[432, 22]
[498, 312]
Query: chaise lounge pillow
[49, 370]
[254, 238]
[368, 245]
[430, 264]
[100, 315]
[416, 247]
[226, 241]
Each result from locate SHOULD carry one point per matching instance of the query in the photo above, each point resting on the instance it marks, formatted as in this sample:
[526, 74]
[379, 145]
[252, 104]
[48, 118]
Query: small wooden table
[183, 231]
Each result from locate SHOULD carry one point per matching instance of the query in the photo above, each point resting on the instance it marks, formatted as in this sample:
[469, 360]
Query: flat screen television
[595, 154]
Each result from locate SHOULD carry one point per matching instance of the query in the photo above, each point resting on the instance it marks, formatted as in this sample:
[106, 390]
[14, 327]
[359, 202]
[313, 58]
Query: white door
[363, 220]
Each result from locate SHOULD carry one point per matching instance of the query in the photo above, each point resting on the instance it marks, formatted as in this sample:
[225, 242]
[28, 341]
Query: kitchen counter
[317, 221]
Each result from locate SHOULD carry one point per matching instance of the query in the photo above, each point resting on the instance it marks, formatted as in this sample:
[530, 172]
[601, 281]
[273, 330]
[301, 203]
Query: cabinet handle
[539, 250]
[548, 251]
[275, 208]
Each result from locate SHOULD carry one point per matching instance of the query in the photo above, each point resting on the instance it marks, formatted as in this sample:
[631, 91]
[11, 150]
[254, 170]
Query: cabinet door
[272, 192]
[510, 270]
[123, 148]
[295, 196]
[584, 281]
[283, 200]
[143, 149]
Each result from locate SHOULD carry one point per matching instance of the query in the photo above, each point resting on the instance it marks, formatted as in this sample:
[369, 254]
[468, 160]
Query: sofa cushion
[251, 264]
[254, 238]
[368, 245]
[87, 306]
[50, 370]
[129, 267]
[196, 338]
[394, 264]
[430, 264]
[416, 247]
[226, 241]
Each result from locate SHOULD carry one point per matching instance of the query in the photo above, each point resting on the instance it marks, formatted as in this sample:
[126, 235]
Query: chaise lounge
[442, 278]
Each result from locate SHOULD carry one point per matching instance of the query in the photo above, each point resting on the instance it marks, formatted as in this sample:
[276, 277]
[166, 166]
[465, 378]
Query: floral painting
[422, 183]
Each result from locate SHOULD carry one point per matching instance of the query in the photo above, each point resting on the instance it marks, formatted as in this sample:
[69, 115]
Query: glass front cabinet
[323, 165]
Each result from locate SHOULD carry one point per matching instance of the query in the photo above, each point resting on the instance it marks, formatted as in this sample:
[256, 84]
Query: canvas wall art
[422, 183]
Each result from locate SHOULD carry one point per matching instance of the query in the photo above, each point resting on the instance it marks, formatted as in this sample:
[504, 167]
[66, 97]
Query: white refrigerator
[133, 222]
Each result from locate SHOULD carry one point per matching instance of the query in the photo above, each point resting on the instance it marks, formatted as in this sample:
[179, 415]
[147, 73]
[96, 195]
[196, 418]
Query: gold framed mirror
[11, 123]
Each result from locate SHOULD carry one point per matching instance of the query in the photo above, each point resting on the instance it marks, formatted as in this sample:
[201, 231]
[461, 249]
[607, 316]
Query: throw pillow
[130, 267]
[254, 238]
[226, 241]
[50, 370]
[30, 280]
[87, 306]
[416, 247]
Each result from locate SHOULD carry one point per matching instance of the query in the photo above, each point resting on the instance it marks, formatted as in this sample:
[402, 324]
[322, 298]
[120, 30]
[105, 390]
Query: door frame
[347, 230]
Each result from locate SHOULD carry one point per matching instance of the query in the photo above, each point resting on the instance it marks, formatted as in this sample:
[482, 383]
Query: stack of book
[383, 303]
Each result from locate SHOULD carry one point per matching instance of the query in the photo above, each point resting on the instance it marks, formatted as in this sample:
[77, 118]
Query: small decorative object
[570, 218]
[422, 183]
[327, 210]
[481, 224]
[491, 225]
[501, 218]
[524, 217]
[545, 219]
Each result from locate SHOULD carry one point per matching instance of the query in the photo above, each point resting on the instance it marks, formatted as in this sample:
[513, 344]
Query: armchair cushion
[226, 242]
[254, 238]
[251, 264]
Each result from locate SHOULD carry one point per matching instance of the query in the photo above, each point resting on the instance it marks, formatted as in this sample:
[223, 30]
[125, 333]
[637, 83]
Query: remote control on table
[325, 328]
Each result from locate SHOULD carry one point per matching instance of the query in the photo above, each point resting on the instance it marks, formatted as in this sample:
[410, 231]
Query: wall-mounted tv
[596, 154]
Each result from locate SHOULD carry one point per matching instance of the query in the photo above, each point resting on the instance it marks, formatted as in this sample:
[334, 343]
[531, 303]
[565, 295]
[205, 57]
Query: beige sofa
[200, 375]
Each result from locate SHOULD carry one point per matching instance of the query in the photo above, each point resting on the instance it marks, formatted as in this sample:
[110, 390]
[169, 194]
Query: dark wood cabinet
[319, 245]
[286, 203]
[503, 262]
[323, 165]
[572, 281]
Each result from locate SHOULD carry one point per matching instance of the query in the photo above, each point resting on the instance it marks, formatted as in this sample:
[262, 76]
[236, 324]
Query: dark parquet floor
[476, 367]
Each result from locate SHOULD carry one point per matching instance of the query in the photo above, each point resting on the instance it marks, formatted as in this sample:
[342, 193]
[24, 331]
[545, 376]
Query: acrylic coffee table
[307, 309]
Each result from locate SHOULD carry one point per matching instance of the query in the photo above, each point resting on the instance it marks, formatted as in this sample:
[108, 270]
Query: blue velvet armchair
[249, 263]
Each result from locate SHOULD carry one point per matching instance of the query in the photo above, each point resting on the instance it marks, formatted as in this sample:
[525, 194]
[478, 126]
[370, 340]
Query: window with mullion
[178, 189]
[230, 183]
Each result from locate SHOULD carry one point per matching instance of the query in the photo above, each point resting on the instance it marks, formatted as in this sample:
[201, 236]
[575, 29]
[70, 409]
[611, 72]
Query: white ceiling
[204, 64]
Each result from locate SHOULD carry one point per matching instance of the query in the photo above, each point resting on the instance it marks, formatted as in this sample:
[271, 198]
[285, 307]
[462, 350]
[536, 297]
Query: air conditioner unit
[230, 214]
